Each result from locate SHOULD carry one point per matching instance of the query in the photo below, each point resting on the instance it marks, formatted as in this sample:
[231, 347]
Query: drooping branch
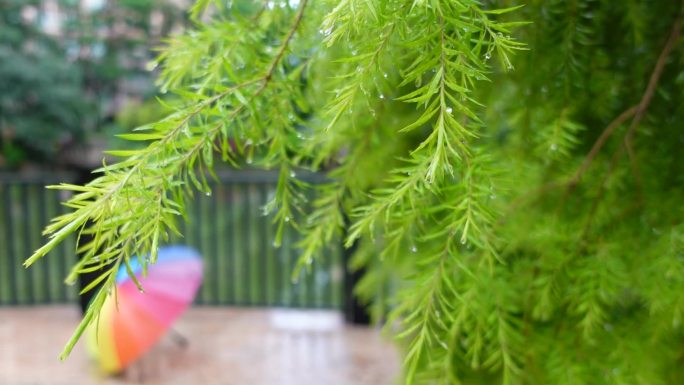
[636, 112]
[165, 162]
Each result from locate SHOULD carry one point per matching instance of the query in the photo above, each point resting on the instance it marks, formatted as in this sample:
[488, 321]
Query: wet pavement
[227, 346]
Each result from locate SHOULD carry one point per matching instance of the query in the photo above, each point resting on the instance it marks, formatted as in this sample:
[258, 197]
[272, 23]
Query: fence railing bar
[41, 179]
[230, 247]
[247, 246]
[263, 247]
[5, 269]
[59, 253]
[10, 246]
[26, 214]
[213, 242]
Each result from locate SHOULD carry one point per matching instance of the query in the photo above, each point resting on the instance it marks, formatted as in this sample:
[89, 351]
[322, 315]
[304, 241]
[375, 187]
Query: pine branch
[172, 155]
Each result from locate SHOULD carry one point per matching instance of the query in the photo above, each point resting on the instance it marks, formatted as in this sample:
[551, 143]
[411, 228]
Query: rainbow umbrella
[130, 328]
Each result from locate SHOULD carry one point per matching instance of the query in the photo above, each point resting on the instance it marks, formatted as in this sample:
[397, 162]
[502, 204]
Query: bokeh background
[73, 75]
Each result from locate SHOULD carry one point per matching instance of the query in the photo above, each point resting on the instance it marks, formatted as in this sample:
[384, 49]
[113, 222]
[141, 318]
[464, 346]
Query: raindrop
[275, 243]
[554, 147]
[326, 32]
[381, 96]
[488, 56]
[287, 219]
[492, 197]
[293, 174]
[354, 52]
[249, 161]
[449, 110]
[385, 75]
[141, 290]
[463, 240]
[414, 249]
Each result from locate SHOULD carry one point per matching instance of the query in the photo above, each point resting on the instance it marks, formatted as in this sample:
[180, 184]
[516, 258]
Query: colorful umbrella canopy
[127, 330]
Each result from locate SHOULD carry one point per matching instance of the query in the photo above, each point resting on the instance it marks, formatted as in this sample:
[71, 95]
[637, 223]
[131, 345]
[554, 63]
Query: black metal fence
[242, 267]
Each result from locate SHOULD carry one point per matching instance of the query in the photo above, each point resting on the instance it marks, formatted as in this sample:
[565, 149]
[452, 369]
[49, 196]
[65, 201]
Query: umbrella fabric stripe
[184, 277]
[163, 309]
[170, 254]
[101, 345]
[176, 270]
[136, 331]
[169, 289]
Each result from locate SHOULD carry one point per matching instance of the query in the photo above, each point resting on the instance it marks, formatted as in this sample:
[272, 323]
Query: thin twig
[598, 145]
[636, 112]
[640, 112]
[286, 43]
[648, 95]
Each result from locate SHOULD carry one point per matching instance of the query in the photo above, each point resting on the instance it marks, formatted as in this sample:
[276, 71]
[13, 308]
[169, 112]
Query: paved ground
[228, 346]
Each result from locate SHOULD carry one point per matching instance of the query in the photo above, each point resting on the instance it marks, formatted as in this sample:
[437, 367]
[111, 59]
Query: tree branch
[648, 95]
[639, 114]
[600, 142]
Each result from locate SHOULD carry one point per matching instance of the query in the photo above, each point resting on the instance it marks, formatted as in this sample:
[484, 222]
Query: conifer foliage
[512, 173]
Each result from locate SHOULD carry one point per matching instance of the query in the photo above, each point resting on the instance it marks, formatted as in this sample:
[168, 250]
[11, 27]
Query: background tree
[519, 216]
[68, 68]
[41, 98]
